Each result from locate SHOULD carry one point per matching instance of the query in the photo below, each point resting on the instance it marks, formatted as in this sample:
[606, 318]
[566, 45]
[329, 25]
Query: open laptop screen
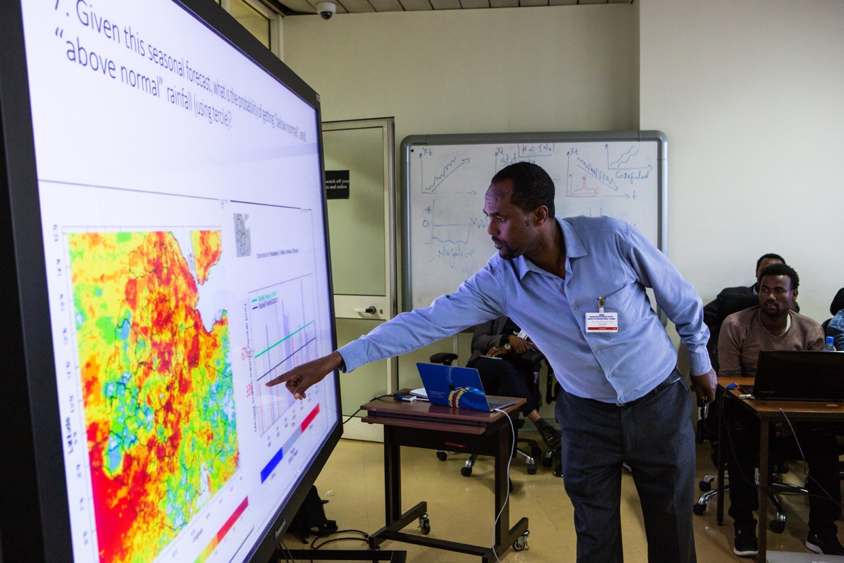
[800, 375]
[457, 387]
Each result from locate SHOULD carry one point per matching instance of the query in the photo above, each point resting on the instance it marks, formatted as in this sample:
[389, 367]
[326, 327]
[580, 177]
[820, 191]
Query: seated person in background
[772, 325]
[496, 354]
[835, 328]
[732, 299]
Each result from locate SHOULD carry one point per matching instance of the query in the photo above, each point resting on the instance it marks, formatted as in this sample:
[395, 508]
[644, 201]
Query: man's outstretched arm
[301, 377]
[477, 300]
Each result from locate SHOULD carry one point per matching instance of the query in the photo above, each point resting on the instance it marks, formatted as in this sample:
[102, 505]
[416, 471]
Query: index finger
[297, 393]
[278, 380]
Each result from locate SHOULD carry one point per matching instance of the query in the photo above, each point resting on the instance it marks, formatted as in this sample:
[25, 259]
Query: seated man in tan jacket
[773, 325]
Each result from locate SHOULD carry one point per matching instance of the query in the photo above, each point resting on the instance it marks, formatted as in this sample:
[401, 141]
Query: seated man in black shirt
[496, 354]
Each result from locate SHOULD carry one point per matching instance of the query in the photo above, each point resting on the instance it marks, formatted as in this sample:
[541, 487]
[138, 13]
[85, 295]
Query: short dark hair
[781, 270]
[532, 186]
[837, 302]
[770, 256]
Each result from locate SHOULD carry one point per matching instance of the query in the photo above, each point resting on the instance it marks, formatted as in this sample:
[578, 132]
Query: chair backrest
[445, 358]
[534, 359]
[735, 303]
[837, 302]
[729, 303]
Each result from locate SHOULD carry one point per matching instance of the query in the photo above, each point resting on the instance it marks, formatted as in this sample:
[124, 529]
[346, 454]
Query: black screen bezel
[34, 511]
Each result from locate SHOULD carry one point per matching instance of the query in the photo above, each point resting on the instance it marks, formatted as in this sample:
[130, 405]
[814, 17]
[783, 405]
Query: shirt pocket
[626, 302]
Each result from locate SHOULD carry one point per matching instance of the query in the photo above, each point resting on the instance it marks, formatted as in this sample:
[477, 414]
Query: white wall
[751, 96]
[474, 71]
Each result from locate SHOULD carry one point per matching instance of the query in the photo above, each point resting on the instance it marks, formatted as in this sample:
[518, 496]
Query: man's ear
[540, 215]
[794, 295]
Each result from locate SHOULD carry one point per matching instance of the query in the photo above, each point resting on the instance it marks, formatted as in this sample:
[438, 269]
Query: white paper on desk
[421, 393]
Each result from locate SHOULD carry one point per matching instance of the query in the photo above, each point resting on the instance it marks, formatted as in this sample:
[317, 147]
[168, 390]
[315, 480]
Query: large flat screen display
[179, 188]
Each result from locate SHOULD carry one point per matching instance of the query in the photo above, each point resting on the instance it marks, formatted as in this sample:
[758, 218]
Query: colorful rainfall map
[157, 384]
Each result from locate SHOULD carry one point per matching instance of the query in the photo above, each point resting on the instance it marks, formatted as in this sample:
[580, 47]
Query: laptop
[457, 387]
[799, 375]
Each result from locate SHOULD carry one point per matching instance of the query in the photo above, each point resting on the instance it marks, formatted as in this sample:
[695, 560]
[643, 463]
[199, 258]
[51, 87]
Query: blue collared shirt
[835, 329]
[604, 258]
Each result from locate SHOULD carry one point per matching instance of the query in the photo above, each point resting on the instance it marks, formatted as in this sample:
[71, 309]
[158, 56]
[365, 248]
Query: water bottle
[830, 346]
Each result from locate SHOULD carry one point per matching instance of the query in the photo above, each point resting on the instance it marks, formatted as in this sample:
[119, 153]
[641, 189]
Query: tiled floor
[460, 508]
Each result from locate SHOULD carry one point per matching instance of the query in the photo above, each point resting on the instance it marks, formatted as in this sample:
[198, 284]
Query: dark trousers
[502, 377]
[820, 447]
[655, 437]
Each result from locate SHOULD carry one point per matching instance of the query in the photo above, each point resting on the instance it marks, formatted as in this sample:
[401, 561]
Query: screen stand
[339, 555]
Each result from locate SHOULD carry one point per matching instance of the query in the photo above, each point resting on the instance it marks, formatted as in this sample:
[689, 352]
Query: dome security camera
[326, 9]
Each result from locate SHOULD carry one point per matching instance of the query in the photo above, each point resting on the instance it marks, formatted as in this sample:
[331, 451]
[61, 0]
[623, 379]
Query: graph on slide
[282, 333]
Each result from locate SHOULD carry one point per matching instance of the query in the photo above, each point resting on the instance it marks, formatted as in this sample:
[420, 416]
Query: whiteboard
[445, 177]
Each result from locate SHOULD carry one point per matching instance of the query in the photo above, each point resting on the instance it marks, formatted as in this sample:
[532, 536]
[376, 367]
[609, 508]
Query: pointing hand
[300, 378]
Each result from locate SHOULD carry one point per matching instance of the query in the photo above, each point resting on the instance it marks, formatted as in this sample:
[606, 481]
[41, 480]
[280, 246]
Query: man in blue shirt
[577, 286]
[835, 326]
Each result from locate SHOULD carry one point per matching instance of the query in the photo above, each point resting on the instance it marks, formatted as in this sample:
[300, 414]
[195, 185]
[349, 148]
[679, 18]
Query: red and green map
[157, 384]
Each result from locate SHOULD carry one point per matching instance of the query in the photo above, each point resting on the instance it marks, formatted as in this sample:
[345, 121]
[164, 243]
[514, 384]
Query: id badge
[601, 322]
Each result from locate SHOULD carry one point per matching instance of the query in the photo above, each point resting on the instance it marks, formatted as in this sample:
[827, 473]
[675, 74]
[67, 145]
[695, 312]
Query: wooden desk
[422, 425]
[767, 412]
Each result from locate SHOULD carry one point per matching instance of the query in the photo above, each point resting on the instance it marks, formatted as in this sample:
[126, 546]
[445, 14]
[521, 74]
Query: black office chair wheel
[442, 456]
[531, 468]
[465, 471]
[425, 524]
[705, 486]
[521, 542]
[777, 526]
[699, 508]
[547, 462]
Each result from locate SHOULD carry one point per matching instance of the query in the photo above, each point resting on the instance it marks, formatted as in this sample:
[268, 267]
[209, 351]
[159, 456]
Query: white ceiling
[308, 7]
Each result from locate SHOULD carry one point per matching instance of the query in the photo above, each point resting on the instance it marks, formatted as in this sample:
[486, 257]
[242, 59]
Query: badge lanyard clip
[601, 305]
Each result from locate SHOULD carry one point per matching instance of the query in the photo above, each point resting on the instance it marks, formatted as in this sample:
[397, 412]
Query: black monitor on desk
[800, 375]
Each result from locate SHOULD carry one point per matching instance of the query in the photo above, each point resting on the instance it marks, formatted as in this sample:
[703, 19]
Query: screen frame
[34, 510]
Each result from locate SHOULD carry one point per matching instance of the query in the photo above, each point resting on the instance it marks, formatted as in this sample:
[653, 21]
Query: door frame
[353, 306]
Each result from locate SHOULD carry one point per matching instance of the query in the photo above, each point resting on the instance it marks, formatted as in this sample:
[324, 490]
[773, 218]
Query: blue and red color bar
[276, 459]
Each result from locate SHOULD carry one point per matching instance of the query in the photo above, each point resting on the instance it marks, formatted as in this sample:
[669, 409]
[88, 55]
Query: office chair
[534, 358]
[777, 525]
[552, 392]
[777, 487]
[708, 413]
[834, 308]
[526, 448]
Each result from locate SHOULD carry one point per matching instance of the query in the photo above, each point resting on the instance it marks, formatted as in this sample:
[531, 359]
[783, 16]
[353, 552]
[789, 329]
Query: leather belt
[672, 378]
